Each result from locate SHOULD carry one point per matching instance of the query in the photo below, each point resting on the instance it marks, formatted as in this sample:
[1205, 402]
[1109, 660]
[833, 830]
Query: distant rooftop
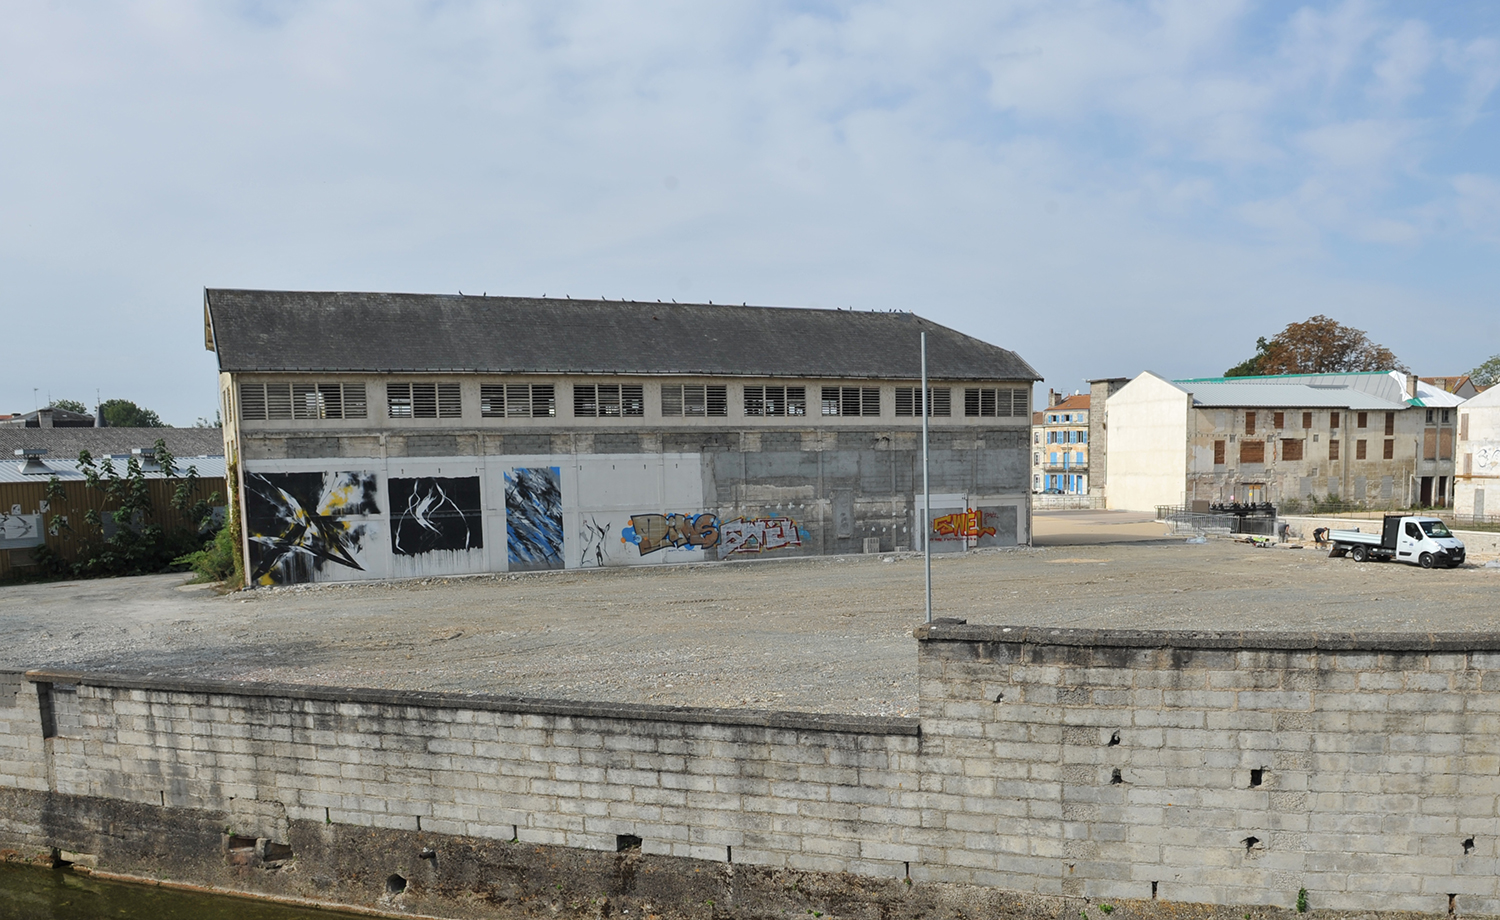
[1370, 390]
[65, 443]
[50, 417]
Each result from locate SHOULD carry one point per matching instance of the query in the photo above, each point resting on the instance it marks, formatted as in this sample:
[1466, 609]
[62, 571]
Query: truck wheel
[1359, 554]
[1425, 560]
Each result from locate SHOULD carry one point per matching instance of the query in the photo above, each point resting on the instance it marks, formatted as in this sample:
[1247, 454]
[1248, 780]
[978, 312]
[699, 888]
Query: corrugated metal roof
[67, 470]
[306, 331]
[1282, 396]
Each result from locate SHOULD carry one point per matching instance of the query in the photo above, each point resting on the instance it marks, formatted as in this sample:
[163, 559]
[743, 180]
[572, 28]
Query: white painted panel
[618, 483]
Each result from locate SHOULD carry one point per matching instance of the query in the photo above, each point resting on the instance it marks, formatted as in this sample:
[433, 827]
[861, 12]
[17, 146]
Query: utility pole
[926, 485]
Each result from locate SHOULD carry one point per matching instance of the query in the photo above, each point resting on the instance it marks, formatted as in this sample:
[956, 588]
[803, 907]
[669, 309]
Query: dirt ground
[828, 634]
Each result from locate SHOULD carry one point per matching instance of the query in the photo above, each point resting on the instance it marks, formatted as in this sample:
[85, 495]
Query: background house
[1478, 476]
[391, 435]
[1380, 439]
[1064, 444]
[30, 458]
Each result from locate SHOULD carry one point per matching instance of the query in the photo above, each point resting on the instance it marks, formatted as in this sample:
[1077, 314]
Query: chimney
[1053, 398]
[1411, 386]
[99, 416]
[33, 460]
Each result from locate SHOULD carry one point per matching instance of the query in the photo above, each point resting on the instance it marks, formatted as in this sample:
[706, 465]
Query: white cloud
[1076, 180]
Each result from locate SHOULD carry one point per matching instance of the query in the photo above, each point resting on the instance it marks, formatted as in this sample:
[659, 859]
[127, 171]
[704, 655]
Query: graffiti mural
[759, 535]
[19, 530]
[533, 517]
[435, 513]
[295, 523]
[595, 537]
[652, 532]
[961, 525]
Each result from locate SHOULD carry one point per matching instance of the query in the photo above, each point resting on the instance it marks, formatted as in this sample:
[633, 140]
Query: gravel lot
[831, 634]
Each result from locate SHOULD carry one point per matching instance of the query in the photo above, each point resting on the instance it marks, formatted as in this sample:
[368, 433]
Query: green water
[29, 893]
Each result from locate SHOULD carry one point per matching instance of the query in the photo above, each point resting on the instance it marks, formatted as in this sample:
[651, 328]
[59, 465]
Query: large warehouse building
[401, 435]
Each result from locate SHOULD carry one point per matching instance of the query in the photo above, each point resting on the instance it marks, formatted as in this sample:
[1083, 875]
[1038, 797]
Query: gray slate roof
[353, 332]
[65, 443]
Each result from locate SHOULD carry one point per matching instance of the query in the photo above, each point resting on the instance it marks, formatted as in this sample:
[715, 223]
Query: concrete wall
[1477, 486]
[1148, 444]
[463, 502]
[1099, 393]
[1210, 768]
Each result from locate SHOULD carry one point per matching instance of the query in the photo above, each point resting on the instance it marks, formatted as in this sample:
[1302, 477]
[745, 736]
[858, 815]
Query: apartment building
[1060, 448]
[400, 435]
[1380, 439]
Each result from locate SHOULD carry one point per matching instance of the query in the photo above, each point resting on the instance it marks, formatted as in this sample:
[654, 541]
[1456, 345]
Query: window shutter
[253, 402]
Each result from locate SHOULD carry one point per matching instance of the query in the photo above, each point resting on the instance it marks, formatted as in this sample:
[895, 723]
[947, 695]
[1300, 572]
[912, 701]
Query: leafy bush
[136, 546]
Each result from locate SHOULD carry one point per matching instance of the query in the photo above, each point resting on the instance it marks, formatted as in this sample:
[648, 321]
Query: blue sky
[1103, 187]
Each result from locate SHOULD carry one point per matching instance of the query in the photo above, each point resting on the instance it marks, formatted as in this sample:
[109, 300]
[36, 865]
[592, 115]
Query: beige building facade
[1376, 439]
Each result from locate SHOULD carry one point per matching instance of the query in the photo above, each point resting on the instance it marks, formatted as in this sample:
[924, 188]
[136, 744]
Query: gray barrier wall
[1219, 769]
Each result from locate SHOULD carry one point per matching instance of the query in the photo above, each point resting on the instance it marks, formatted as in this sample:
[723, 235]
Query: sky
[1103, 187]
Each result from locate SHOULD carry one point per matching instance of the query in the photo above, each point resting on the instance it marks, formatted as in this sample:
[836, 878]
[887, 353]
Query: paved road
[1088, 528]
[817, 634]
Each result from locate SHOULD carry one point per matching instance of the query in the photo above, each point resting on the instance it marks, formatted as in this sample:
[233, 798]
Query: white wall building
[1478, 475]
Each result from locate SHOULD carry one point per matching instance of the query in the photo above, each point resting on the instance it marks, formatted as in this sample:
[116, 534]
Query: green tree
[1318, 346]
[72, 405]
[122, 413]
[1486, 374]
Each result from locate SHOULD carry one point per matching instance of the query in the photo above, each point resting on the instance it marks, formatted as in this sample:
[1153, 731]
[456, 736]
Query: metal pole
[926, 486]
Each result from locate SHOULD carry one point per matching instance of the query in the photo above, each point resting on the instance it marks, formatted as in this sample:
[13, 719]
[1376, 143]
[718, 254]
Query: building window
[1429, 416]
[1333, 420]
[991, 402]
[775, 401]
[1278, 420]
[694, 400]
[1362, 419]
[1333, 449]
[1446, 417]
[1249, 423]
[1390, 423]
[1291, 448]
[608, 400]
[517, 400]
[939, 399]
[1307, 420]
[1388, 450]
[1219, 453]
[423, 400]
[265, 401]
[1252, 451]
[851, 401]
[1359, 449]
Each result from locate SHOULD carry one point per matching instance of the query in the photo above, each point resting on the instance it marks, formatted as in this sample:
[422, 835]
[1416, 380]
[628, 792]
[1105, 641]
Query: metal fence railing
[1181, 521]
[1041, 502]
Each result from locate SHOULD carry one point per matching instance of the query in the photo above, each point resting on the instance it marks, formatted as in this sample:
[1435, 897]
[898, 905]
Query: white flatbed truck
[1424, 541]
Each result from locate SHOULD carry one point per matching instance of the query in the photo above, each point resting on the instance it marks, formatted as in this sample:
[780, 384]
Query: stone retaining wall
[1184, 768]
